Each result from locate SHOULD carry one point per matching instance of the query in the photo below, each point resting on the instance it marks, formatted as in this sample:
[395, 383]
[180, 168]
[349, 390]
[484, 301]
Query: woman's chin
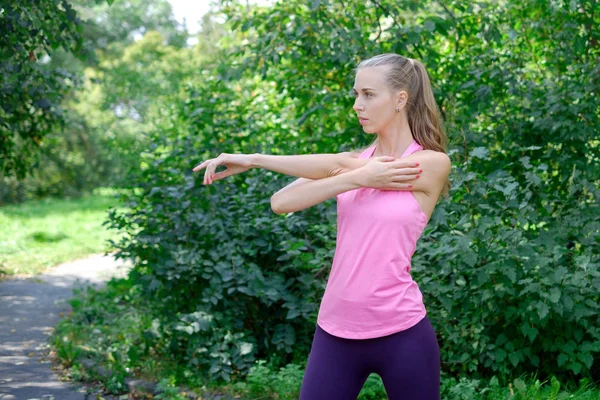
[367, 129]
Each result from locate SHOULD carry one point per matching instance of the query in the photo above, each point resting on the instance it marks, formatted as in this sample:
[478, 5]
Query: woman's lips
[363, 121]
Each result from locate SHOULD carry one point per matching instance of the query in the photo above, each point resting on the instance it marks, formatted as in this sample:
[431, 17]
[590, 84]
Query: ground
[30, 307]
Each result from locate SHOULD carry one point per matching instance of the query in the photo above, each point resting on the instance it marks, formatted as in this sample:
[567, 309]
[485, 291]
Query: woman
[372, 318]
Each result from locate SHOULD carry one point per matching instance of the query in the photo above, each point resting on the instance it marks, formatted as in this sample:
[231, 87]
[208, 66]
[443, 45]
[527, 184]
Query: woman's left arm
[309, 166]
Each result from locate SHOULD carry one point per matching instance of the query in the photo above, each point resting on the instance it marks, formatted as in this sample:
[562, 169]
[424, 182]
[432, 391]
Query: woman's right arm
[304, 193]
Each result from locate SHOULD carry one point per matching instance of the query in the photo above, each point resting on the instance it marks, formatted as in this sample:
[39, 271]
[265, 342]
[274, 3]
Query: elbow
[275, 206]
[279, 206]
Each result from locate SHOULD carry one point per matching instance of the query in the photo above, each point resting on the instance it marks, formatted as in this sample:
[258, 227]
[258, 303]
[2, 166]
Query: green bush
[237, 282]
[285, 384]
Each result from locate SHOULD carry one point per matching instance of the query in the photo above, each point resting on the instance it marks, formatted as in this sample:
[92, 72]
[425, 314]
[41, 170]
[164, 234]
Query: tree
[30, 93]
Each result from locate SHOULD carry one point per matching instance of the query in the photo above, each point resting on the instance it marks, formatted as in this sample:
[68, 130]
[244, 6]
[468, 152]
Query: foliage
[254, 286]
[101, 129]
[30, 92]
[91, 332]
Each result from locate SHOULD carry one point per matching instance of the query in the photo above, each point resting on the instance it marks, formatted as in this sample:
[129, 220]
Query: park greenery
[224, 290]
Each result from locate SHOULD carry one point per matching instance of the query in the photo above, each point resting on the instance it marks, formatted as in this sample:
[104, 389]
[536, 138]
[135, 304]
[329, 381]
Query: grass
[37, 235]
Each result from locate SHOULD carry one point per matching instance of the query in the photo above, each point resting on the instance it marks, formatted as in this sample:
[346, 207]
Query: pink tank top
[370, 292]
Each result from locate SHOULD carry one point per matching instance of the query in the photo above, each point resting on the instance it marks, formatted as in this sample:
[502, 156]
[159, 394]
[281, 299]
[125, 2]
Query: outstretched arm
[310, 166]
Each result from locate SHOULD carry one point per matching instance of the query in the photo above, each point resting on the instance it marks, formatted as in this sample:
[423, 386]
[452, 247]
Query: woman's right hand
[235, 163]
[388, 173]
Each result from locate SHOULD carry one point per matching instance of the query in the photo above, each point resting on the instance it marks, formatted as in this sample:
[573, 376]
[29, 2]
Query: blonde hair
[423, 114]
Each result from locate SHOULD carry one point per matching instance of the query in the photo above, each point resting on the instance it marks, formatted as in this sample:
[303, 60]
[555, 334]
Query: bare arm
[310, 166]
[305, 193]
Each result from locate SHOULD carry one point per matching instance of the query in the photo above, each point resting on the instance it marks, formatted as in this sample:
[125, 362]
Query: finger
[204, 164]
[404, 178]
[406, 171]
[221, 175]
[405, 164]
[214, 172]
[403, 186]
[216, 163]
[199, 167]
[211, 171]
[208, 173]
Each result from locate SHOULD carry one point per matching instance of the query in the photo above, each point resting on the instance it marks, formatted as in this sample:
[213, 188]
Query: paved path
[29, 310]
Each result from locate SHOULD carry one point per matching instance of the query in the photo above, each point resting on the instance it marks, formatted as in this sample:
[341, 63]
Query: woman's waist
[372, 263]
[371, 285]
[400, 296]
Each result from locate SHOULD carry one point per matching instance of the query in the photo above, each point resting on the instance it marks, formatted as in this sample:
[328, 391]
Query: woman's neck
[394, 140]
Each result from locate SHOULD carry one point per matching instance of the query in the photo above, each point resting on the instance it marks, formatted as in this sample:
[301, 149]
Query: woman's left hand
[235, 163]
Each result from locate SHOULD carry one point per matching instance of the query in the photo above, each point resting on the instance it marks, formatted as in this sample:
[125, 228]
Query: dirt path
[29, 310]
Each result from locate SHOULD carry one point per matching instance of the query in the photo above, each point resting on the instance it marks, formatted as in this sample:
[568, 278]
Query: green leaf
[575, 367]
[562, 358]
[530, 331]
[568, 302]
[514, 358]
[499, 355]
[554, 295]
[554, 385]
[542, 310]
[470, 257]
[429, 25]
[292, 313]
[480, 152]
[246, 348]
[520, 386]
[511, 274]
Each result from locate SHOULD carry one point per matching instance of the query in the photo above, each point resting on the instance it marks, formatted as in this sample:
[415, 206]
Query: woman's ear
[401, 99]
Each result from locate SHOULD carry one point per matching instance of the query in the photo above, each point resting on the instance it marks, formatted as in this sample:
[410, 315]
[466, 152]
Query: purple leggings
[408, 363]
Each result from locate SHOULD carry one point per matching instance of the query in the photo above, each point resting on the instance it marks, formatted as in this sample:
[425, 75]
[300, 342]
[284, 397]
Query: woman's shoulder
[431, 158]
[433, 154]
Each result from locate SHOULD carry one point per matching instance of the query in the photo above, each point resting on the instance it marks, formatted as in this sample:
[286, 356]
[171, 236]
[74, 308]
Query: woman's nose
[357, 106]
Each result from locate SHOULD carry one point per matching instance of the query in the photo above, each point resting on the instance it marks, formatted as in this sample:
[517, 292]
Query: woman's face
[375, 105]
